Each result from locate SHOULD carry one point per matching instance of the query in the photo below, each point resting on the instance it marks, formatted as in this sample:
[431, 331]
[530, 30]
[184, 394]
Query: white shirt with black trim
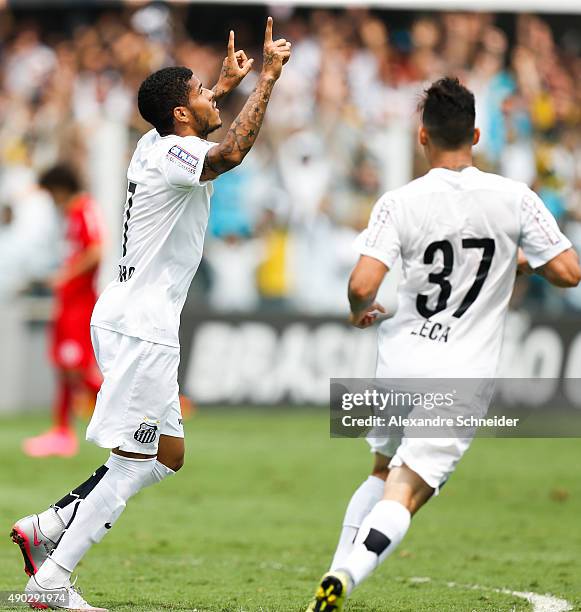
[164, 224]
[457, 234]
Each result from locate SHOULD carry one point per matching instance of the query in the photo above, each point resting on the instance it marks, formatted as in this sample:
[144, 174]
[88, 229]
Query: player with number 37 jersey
[461, 235]
[457, 234]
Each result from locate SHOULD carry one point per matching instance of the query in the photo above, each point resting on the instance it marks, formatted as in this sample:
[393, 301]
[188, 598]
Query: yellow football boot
[331, 593]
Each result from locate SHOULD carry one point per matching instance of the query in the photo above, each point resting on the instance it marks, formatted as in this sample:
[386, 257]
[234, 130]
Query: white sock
[97, 513]
[53, 575]
[157, 474]
[65, 514]
[361, 504]
[53, 529]
[51, 524]
[380, 533]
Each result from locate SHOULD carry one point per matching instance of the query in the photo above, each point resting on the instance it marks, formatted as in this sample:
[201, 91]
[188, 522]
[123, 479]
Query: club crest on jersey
[183, 156]
[146, 433]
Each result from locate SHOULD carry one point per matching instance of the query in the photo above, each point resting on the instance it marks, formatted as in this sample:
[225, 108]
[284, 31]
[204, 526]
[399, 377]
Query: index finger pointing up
[231, 43]
[268, 33]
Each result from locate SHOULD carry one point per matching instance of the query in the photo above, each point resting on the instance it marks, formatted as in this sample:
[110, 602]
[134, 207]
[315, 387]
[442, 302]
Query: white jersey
[457, 234]
[164, 224]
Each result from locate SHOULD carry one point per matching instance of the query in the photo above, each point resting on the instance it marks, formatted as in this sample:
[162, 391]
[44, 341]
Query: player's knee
[175, 462]
[380, 473]
[380, 466]
[179, 463]
[171, 452]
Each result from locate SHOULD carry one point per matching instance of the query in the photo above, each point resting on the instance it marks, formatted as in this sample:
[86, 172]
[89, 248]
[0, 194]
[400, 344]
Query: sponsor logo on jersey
[183, 156]
[146, 433]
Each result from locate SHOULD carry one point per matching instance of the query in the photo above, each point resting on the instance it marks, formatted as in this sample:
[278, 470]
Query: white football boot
[34, 544]
[63, 598]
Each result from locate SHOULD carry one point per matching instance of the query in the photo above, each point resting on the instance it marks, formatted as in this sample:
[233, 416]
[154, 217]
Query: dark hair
[448, 113]
[60, 176]
[160, 93]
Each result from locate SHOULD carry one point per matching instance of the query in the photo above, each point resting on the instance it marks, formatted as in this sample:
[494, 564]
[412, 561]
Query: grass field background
[251, 521]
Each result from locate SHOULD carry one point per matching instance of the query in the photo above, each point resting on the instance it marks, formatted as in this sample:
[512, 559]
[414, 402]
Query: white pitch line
[540, 603]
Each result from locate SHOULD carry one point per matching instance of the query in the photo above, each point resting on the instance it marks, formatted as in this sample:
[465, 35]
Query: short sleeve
[381, 239]
[540, 238]
[183, 161]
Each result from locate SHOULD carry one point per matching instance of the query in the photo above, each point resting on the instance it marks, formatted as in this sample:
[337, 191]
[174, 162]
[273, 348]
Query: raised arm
[244, 130]
[234, 68]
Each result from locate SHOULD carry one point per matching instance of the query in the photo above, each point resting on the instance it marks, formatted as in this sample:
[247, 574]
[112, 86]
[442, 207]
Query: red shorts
[71, 337]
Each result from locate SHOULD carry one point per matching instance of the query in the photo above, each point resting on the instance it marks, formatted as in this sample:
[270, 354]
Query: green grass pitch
[251, 522]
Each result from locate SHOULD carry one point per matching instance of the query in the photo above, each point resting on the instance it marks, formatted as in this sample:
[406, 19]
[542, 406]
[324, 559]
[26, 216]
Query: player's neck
[451, 160]
[187, 130]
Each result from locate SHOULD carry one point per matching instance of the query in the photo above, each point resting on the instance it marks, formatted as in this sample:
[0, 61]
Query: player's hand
[234, 68]
[368, 317]
[276, 53]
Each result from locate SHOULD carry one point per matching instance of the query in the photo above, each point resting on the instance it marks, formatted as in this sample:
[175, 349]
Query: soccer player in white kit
[461, 234]
[135, 322]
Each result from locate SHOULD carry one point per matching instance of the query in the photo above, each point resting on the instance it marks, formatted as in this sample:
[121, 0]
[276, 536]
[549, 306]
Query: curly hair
[448, 113]
[160, 93]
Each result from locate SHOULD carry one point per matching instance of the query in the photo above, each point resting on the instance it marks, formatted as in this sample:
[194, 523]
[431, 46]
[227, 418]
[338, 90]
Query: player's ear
[476, 139]
[180, 114]
[422, 136]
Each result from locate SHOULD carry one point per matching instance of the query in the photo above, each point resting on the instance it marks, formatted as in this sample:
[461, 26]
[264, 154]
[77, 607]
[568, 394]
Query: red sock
[63, 406]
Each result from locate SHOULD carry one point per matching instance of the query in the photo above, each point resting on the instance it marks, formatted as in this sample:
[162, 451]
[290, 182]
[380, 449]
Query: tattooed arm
[243, 132]
[234, 68]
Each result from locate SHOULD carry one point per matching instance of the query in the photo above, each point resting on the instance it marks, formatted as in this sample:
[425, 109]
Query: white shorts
[139, 398]
[433, 459]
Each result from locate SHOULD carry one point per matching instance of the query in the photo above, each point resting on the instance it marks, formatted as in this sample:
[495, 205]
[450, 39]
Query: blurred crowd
[340, 130]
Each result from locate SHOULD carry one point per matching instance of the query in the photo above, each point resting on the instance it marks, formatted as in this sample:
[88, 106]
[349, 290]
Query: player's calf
[407, 488]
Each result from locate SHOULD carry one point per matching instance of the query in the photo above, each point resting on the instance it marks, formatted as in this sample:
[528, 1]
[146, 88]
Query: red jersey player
[75, 297]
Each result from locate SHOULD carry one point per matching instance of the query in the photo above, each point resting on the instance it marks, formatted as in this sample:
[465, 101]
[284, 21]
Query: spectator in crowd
[345, 108]
[29, 233]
